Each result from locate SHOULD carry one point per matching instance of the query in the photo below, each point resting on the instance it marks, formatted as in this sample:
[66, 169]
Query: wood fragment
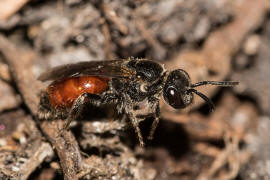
[158, 48]
[39, 151]
[9, 7]
[228, 156]
[42, 151]
[9, 99]
[66, 145]
[205, 149]
[107, 36]
[4, 72]
[20, 64]
[30, 154]
[111, 15]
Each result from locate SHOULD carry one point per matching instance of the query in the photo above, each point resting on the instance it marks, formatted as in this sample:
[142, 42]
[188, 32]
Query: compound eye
[174, 98]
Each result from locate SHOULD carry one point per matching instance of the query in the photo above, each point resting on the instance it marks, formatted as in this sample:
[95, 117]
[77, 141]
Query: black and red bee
[133, 85]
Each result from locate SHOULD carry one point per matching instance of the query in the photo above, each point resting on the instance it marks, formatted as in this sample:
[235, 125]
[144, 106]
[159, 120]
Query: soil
[211, 40]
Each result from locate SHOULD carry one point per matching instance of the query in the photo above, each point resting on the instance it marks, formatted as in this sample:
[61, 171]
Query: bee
[134, 86]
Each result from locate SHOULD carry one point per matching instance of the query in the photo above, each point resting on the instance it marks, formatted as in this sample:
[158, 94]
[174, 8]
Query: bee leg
[155, 123]
[77, 106]
[109, 97]
[135, 124]
[44, 113]
[44, 110]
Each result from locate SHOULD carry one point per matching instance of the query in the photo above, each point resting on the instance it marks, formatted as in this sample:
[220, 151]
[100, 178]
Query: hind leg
[78, 105]
[155, 122]
[45, 112]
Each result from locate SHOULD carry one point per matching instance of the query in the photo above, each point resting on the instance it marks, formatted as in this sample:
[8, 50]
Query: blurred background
[211, 40]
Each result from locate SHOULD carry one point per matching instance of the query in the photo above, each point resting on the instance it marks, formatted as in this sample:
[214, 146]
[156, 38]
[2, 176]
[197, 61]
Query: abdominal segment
[63, 93]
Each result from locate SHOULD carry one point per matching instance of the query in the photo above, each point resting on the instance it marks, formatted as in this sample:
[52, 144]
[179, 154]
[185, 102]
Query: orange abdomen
[64, 93]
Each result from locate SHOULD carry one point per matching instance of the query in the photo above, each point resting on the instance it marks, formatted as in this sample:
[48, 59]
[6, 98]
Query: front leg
[135, 120]
[78, 105]
[152, 110]
[155, 122]
[135, 123]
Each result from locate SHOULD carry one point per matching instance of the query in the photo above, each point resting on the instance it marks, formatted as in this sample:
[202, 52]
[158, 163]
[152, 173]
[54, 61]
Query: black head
[178, 89]
[175, 91]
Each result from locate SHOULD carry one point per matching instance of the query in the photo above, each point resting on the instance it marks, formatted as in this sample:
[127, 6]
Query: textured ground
[211, 40]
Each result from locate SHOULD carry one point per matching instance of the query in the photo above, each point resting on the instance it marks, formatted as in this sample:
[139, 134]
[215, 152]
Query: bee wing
[111, 68]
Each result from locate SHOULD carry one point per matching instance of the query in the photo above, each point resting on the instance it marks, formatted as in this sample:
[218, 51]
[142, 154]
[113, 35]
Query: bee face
[176, 89]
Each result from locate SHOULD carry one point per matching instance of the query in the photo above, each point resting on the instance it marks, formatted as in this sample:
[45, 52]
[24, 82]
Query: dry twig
[9, 7]
[107, 36]
[30, 154]
[158, 48]
[228, 156]
[111, 15]
[66, 145]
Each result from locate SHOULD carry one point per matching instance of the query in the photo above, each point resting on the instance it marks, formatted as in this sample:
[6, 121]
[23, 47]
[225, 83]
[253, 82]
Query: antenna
[215, 83]
[205, 98]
